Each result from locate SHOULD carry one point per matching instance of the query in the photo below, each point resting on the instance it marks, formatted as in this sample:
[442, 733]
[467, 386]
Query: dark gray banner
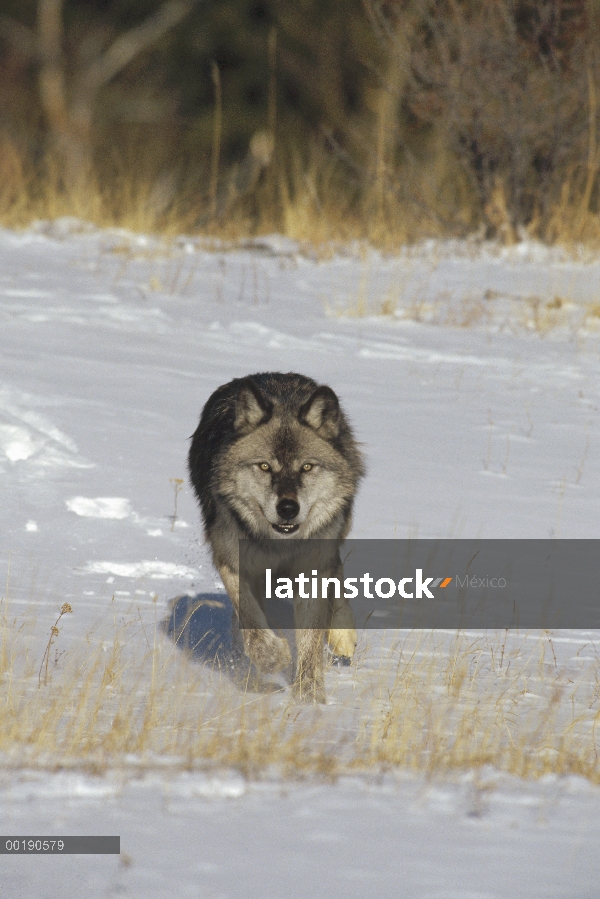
[420, 583]
[60, 845]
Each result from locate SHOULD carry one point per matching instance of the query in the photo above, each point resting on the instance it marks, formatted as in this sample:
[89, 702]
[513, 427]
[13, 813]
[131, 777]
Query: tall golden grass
[429, 702]
[312, 198]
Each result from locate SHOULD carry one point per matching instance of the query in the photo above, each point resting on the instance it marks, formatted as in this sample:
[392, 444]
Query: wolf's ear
[322, 413]
[252, 407]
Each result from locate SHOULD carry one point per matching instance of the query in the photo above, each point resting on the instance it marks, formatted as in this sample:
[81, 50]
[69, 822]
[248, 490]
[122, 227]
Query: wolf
[274, 458]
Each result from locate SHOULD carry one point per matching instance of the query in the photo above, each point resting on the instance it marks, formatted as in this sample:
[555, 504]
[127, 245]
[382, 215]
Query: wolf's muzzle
[288, 509]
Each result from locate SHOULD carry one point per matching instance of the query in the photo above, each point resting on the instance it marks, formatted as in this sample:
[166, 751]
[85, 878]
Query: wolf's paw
[340, 661]
[269, 652]
[342, 642]
[308, 689]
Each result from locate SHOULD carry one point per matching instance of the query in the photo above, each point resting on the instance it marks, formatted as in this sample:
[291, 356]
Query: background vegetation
[323, 119]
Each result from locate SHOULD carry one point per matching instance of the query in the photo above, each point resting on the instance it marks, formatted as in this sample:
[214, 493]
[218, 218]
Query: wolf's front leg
[309, 685]
[265, 649]
[342, 636]
[311, 617]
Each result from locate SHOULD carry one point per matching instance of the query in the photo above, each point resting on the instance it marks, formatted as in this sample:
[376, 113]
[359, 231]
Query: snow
[471, 375]
[193, 835]
[159, 570]
[101, 507]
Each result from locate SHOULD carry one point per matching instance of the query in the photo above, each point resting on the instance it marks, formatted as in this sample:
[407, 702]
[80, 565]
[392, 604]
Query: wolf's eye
[264, 466]
[307, 466]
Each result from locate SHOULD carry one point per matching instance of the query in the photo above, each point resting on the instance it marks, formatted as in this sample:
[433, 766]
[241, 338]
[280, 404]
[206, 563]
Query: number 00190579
[35, 845]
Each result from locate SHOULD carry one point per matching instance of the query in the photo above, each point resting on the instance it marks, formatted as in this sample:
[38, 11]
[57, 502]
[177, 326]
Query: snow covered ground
[471, 375]
[189, 835]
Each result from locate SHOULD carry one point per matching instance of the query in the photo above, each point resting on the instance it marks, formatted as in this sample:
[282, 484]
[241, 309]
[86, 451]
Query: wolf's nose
[287, 509]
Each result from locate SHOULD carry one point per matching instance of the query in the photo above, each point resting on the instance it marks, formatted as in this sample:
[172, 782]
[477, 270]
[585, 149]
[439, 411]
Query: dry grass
[489, 310]
[315, 199]
[484, 703]
[510, 314]
[429, 702]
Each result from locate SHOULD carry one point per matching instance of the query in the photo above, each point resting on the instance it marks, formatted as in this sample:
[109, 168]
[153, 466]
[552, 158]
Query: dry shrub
[509, 88]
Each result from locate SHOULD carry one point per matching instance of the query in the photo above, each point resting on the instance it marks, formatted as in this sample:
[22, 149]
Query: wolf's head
[292, 467]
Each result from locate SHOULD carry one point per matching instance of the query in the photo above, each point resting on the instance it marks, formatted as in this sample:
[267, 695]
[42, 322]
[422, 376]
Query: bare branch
[21, 37]
[50, 30]
[392, 32]
[379, 22]
[127, 46]
[52, 73]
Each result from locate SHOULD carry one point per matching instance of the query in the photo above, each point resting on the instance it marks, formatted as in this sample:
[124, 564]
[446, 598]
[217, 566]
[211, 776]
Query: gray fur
[249, 466]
